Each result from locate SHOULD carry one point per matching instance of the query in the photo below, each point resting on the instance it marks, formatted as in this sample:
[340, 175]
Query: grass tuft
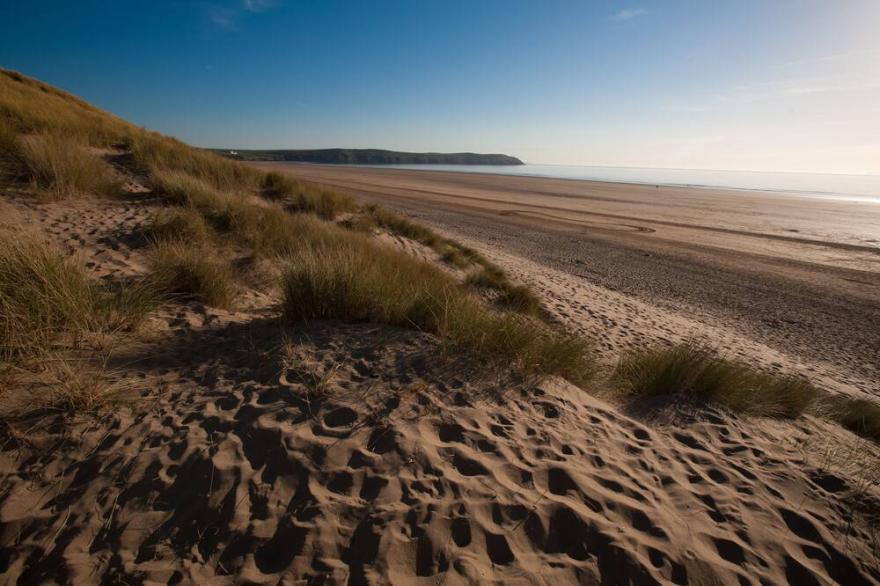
[516, 297]
[157, 155]
[276, 186]
[42, 295]
[305, 198]
[190, 272]
[860, 416]
[695, 371]
[48, 303]
[181, 224]
[403, 227]
[55, 166]
[357, 280]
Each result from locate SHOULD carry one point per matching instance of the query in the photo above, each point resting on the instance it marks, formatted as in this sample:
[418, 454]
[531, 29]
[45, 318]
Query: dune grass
[397, 224]
[157, 154]
[517, 297]
[305, 198]
[276, 186]
[698, 372]
[183, 224]
[355, 279]
[50, 312]
[42, 295]
[860, 416]
[488, 276]
[183, 271]
[59, 167]
[32, 107]
[45, 295]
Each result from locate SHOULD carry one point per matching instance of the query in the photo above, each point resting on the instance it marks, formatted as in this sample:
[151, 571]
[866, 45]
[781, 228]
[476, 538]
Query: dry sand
[333, 453]
[789, 282]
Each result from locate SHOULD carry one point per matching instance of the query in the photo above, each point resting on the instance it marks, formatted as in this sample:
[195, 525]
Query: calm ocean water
[825, 185]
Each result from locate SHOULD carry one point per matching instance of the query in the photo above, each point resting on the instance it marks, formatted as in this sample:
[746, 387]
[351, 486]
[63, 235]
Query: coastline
[765, 278]
[860, 196]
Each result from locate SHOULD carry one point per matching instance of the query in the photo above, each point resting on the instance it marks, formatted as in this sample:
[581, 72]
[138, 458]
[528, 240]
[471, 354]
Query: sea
[861, 188]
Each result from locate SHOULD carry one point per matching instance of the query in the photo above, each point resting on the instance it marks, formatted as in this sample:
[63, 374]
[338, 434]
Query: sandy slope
[334, 453]
[789, 283]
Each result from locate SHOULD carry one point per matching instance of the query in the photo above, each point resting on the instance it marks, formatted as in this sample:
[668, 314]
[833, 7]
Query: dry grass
[489, 276]
[305, 198]
[43, 294]
[516, 297]
[182, 224]
[182, 189]
[357, 280]
[188, 272]
[360, 223]
[51, 314]
[698, 372]
[860, 416]
[399, 225]
[32, 107]
[157, 154]
[58, 167]
[55, 166]
[276, 186]
[327, 204]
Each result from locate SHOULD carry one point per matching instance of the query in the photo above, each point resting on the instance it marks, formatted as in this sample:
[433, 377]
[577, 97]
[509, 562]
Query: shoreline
[791, 192]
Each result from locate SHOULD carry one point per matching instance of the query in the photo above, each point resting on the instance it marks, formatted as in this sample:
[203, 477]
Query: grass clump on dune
[325, 203]
[694, 371]
[182, 189]
[32, 107]
[276, 186]
[182, 224]
[489, 276]
[45, 294]
[399, 225]
[304, 198]
[860, 416]
[54, 166]
[181, 270]
[358, 280]
[158, 154]
[517, 297]
[48, 309]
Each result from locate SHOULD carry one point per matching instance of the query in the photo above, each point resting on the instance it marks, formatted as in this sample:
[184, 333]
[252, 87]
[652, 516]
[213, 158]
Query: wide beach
[787, 281]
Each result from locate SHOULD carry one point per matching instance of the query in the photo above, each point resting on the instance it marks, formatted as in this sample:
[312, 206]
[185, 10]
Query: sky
[783, 85]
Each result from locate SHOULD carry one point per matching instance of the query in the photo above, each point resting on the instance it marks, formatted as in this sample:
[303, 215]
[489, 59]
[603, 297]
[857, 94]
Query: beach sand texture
[335, 453]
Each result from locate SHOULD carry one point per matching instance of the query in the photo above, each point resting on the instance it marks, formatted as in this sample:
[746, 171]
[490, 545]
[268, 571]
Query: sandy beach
[791, 282]
[331, 329]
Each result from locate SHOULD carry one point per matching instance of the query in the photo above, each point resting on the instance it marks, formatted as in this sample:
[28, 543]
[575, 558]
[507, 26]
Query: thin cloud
[799, 86]
[227, 16]
[224, 18]
[628, 14]
[258, 5]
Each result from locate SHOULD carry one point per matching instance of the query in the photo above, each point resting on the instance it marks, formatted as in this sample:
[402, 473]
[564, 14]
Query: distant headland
[369, 157]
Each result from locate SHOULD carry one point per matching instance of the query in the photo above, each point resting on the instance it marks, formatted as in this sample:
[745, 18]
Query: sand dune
[336, 453]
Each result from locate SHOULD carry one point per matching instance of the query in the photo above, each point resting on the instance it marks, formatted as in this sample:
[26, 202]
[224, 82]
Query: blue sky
[748, 84]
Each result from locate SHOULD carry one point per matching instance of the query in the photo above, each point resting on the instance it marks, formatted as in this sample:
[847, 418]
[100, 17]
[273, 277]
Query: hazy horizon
[790, 86]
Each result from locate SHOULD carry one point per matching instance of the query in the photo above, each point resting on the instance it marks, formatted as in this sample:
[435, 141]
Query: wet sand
[794, 279]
